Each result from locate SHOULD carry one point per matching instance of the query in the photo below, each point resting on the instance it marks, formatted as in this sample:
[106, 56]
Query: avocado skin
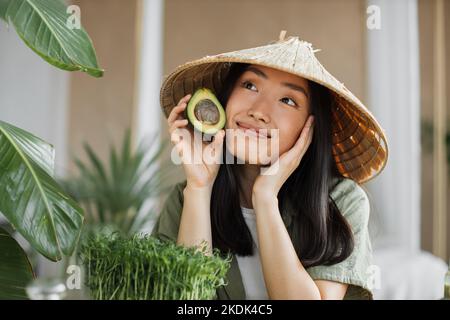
[201, 94]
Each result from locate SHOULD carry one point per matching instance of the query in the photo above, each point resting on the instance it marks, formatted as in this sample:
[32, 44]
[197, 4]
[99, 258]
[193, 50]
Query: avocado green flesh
[205, 112]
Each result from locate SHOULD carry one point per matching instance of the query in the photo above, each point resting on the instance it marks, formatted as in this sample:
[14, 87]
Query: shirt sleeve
[168, 222]
[355, 271]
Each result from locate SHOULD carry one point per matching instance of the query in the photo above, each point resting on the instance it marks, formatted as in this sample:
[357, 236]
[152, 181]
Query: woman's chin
[250, 157]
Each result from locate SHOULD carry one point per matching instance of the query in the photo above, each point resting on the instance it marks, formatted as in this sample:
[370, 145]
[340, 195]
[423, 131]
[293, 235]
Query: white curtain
[394, 99]
[147, 115]
[406, 272]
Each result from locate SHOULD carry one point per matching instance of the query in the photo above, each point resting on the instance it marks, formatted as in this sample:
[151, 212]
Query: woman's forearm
[284, 275]
[195, 222]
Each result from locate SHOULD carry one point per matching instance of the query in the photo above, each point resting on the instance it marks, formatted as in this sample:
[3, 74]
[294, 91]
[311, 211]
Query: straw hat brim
[360, 147]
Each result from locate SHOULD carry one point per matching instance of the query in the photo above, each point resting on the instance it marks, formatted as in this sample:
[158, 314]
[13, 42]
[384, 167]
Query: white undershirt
[250, 266]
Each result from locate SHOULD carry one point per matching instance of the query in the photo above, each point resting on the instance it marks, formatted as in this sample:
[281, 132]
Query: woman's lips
[262, 133]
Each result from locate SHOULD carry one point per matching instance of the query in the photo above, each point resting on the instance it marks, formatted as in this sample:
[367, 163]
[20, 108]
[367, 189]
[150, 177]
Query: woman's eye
[246, 85]
[289, 99]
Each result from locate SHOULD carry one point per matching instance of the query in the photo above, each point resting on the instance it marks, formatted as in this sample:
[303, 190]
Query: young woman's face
[265, 98]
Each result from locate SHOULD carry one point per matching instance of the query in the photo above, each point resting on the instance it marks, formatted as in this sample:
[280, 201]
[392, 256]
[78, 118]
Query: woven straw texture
[360, 146]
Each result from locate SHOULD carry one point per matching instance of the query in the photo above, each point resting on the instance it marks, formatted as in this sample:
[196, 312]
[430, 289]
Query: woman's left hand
[270, 182]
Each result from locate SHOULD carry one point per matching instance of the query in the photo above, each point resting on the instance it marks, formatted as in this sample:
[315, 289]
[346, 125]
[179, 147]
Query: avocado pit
[206, 111]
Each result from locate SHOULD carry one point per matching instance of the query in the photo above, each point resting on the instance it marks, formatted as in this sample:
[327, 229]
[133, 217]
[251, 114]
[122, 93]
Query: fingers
[306, 135]
[309, 133]
[295, 154]
[178, 109]
[178, 124]
[175, 121]
[176, 113]
[173, 130]
[216, 144]
[214, 149]
[218, 139]
[185, 98]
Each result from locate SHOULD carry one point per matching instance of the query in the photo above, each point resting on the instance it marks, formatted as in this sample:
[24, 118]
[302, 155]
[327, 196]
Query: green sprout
[146, 268]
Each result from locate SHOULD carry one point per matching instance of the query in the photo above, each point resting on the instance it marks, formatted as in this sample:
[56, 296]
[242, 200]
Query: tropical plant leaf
[15, 269]
[30, 198]
[42, 26]
[3, 6]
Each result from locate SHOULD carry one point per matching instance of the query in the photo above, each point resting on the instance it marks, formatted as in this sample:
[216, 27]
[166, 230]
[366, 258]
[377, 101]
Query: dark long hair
[324, 236]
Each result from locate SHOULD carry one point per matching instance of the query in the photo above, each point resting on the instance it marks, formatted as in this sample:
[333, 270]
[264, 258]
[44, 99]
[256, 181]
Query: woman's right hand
[200, 169]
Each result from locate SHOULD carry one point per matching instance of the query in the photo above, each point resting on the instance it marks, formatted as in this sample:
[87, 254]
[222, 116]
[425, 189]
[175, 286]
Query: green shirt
[353, 203]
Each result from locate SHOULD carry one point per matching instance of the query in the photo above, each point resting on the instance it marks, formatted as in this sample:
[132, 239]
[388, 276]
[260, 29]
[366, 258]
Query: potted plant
[115, 194]
[146, 268]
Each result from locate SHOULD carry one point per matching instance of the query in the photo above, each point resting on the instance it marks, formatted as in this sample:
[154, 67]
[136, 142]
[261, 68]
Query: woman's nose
[260, 111]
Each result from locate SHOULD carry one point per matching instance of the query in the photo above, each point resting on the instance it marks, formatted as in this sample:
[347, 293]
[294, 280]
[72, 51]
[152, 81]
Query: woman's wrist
[264, 199]
[193, 189]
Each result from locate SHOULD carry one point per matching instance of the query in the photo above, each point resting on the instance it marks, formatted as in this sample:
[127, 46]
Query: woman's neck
[246, 178]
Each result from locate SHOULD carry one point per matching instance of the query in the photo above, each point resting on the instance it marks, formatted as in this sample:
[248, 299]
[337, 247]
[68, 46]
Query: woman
[300, 230]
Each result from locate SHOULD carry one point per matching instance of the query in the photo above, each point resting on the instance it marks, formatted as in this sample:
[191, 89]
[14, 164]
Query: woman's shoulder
[176, 194]
[179, 186]
[342, 186]
[350, 197]
[168, 221]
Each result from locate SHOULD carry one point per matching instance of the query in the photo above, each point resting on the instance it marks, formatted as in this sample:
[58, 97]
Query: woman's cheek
[287, 139]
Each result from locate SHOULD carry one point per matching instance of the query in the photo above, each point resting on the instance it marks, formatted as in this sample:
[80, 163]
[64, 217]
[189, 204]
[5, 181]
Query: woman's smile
[251, 131]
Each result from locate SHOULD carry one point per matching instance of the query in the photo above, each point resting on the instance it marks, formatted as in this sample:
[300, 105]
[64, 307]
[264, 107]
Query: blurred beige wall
[195, 28]
[101, 109]
[426, 30]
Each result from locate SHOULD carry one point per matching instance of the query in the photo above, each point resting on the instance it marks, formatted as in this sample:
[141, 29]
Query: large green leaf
[42, 26]
[3, 7]
[15, 269]
[30, 198]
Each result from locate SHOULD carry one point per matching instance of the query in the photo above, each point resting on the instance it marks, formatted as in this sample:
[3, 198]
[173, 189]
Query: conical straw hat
[360, 146]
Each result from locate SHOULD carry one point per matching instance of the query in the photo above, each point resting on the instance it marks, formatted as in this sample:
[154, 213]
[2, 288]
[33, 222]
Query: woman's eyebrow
[296, 88]
[286, 84]
[257, 72]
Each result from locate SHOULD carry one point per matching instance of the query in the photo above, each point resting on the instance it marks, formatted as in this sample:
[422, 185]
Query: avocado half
[204, 112]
